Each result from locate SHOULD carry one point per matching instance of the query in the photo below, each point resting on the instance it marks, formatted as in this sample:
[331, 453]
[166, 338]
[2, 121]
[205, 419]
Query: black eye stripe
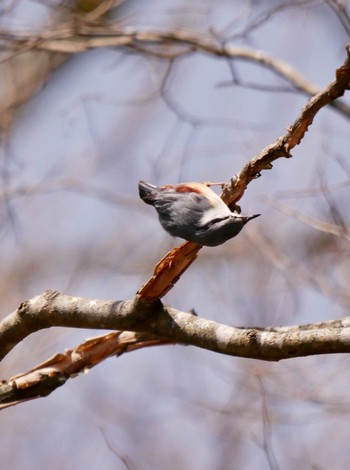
[218, 219]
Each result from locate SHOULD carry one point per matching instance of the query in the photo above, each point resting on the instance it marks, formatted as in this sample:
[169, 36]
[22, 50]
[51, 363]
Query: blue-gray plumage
[194, 212]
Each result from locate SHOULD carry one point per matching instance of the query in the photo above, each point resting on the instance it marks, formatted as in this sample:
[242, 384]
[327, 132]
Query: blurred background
[77, 133]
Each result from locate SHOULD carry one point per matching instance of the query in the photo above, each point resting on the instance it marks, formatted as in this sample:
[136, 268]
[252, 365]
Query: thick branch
[156, 325]
[55, 309]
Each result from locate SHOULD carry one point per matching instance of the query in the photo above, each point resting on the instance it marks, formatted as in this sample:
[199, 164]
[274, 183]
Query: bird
[194, 212]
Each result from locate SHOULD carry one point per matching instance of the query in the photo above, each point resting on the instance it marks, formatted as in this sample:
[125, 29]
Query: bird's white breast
[220, 210]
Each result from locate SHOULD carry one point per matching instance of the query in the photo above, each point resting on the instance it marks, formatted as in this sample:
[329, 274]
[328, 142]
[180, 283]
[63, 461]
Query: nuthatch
[194, 212]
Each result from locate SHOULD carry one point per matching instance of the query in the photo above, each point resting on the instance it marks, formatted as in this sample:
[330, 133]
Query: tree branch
[177, 261]
[83, 36]
[274, 343]
[282, 146]
[154, 324]
[53, 373]
[54, 309]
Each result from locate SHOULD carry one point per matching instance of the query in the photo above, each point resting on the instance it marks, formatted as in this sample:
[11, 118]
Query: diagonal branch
[168, 271]
[295, 133]
[53, 373]
[176, 262]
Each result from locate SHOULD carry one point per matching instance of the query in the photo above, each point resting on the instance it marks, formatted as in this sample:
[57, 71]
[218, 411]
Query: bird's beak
[247, 219]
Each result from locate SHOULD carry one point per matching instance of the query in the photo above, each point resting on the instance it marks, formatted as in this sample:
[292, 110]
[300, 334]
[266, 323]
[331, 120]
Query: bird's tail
[147, 192]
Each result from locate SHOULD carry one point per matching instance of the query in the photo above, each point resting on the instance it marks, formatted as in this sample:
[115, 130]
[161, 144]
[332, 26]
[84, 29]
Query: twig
[81, 37]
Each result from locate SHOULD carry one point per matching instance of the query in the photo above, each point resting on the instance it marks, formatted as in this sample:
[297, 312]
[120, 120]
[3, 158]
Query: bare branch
[53, 373]
[338, 230]
[267, 428]
[55, 309]
[168, 271]
[154, 324]
[25, 70]
[340, 11]
[77, 38]
[282, 146]
[174, 264]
